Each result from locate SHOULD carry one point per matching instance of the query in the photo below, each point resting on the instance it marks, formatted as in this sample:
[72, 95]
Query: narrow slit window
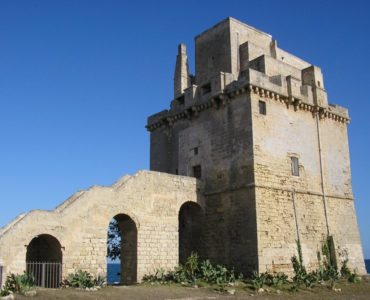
[196, 151]
[262, 107]
[197, 171]
[206, 88]
[181, 99]
[295, 166]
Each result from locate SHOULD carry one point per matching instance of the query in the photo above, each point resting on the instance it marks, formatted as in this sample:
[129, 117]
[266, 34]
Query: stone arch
[190, 230]
[44, 248]
[44, 258]
[129, 240]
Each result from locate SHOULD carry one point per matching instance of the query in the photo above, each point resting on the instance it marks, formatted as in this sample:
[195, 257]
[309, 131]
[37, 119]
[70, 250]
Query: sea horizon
[113, 269]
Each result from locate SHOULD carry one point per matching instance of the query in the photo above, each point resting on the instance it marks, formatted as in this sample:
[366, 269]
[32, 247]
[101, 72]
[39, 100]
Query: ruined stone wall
[151, 199]
[290, 206]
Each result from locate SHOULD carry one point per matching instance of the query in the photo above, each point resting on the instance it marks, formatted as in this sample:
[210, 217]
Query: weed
[82, 279]
[194, 272]
[258, 280]
[19, 283]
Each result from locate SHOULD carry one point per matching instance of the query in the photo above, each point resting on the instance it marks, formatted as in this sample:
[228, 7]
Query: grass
[360, 291]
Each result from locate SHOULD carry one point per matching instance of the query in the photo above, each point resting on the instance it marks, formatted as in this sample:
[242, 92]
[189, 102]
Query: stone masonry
[272, 154]
[151, 199]
[270, 158]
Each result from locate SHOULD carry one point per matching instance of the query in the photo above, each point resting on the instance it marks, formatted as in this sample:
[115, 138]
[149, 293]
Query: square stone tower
[255, 126]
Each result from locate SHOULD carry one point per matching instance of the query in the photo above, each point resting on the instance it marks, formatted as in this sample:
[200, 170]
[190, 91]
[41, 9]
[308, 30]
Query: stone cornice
[222, 99]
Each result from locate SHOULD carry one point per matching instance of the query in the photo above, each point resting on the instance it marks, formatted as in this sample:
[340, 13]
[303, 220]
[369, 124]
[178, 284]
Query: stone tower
[272, 154]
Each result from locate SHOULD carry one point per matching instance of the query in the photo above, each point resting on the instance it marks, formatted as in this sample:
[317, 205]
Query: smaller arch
[44, 248]
[123, 211]
[180, 204]
[190, 230]
[44, 260]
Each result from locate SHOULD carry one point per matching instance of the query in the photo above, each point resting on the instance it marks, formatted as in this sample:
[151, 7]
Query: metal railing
[1, 276]
[46, 274]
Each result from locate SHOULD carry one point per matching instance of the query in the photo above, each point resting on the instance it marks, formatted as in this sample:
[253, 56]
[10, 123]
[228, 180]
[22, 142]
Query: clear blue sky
[79, 78]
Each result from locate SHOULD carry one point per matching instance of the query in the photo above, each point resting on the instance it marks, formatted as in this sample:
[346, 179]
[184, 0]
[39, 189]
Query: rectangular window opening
[295, 166]
[196, 151]
[197, 171]
[262, 107]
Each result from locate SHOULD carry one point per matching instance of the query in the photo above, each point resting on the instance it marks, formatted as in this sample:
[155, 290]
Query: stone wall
[219, 140]
[151, 199]
[291, 207]
[223, 138]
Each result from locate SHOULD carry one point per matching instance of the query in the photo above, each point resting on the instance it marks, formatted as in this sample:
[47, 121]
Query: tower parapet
[233, 57]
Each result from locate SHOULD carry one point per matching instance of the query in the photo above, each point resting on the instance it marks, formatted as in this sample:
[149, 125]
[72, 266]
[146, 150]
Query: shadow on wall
[190, 230]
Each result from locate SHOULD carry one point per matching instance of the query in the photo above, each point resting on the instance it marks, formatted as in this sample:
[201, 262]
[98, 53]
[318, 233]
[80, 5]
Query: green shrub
[217, 274]
[330, 270]
[82, 279]
[276, 279]
[19, 283]
[354, 278]
[178, 275]
[327, 270]
[193, 272]
[159, 276]
[311, 279]
[300, 272]
[191, 266]
[4, 293]
[258, 280]
[344, 270]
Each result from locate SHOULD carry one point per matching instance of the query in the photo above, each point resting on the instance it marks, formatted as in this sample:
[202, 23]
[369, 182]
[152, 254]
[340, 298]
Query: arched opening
[122, 250]
[44, 260]
[190, 230]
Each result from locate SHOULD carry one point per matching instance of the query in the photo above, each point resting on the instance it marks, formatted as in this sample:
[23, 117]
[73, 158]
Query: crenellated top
[233, 57]
[223, 90]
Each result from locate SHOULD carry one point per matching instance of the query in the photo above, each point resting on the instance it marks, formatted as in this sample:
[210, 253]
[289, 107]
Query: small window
[196, 151]
[177, 171]
[258, 66]
[181, 99]
[318, 84]
[262, 107]
[295, 166]
[206, 88]
[197, 171]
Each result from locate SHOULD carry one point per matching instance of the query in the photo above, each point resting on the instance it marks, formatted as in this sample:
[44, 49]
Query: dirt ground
[360, 291]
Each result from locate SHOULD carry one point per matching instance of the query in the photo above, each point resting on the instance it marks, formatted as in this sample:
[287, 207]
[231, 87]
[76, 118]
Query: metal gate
[1, 276]
[46, 274]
